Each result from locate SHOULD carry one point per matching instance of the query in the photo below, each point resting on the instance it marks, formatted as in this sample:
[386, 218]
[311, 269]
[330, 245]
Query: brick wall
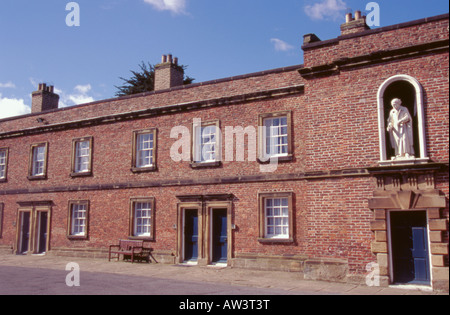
[385, 38]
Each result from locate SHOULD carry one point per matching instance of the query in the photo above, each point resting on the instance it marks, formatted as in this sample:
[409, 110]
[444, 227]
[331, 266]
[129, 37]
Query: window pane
[207, 144]
[276, 137]
[79, 219]
[277, 217]
[142, 218]
[38, 160]
[82, 156]
[144, 150]
[2, 163]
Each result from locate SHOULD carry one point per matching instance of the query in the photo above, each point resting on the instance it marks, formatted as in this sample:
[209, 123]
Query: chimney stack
[354, 25]
[44, 99]
[168, 73]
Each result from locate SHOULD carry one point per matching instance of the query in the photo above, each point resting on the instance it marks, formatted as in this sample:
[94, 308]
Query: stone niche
[406, 132]
[410, 189]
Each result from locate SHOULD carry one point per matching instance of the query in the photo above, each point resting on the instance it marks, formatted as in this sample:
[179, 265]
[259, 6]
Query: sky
[83, 47]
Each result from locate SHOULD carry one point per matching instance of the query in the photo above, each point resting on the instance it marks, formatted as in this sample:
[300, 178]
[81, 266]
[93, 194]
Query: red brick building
[287, 169]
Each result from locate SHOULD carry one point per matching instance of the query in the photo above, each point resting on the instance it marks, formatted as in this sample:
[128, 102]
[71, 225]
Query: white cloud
[79, 96]
[10, 107]
[281, 45]
[7, 85]
[326, 9]
[175, 6]
[83, 89]
[80, 99]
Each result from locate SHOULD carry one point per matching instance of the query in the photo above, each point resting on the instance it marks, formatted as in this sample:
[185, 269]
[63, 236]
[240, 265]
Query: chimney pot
[356, 25]
[348, 17]
[169, 58]
[164, 59]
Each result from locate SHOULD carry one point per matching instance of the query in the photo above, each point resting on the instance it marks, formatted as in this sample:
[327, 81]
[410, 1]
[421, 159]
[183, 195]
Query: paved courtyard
[49, 275]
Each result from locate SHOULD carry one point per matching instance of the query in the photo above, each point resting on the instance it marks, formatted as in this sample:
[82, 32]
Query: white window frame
[38, 167]
[79, 218]
[145, 146]
[142, 218]
[275, 137]
[206, 135]
[82, 156]
[3, 163]
[276, 217]
[138, 163]
[142, 221]
[276, 210]
[78, 223]
[81, 161]
[38, 161]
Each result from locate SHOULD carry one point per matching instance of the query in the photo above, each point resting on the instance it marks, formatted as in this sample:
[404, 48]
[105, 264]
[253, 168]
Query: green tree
[143, 80]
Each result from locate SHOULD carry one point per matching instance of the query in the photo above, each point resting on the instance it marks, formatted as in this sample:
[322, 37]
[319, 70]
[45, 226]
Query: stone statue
[400, 128]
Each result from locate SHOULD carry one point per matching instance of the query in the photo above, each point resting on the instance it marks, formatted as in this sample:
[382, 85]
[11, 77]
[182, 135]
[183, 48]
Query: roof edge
[375, 31]
[182, 87]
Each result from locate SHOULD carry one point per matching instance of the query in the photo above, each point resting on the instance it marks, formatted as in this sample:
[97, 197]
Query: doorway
[410, 250]
[191, 235]
[33, 228]
[204, 229]
[42, 232]
[219, 236]
[24, 233]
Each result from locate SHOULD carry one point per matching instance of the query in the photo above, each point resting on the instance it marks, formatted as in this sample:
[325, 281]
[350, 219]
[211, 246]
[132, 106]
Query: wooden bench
[132, 248]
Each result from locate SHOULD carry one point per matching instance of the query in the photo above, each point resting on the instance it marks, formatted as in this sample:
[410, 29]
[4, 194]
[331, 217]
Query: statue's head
[396, 103]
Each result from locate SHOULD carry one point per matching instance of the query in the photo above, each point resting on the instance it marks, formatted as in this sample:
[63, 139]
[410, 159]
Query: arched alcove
[409, 90]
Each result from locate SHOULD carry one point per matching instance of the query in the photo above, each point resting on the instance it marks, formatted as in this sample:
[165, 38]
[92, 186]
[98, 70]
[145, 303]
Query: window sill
[280, 159]
[144, 169]
[276, 240]
[141, 238]
[81, 174]
[196, 165]
[77, 237]
[3, 180]
[37, 177]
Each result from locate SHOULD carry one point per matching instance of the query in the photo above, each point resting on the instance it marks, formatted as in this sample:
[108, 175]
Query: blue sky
[215, 39]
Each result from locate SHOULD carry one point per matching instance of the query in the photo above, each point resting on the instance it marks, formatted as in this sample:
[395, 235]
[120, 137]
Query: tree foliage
[143, 80]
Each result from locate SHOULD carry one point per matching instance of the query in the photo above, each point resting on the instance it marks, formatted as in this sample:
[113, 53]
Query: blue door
[219, 235]
[191, 235]
[25, 233]
[42, 242]
[410, 247]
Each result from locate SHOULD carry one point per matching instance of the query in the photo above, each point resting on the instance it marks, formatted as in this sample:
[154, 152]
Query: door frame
[40, 233]
[19, 231]
[181, 211]
[35, 209]
[210, 207]
[391, 256]
[185, 212]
